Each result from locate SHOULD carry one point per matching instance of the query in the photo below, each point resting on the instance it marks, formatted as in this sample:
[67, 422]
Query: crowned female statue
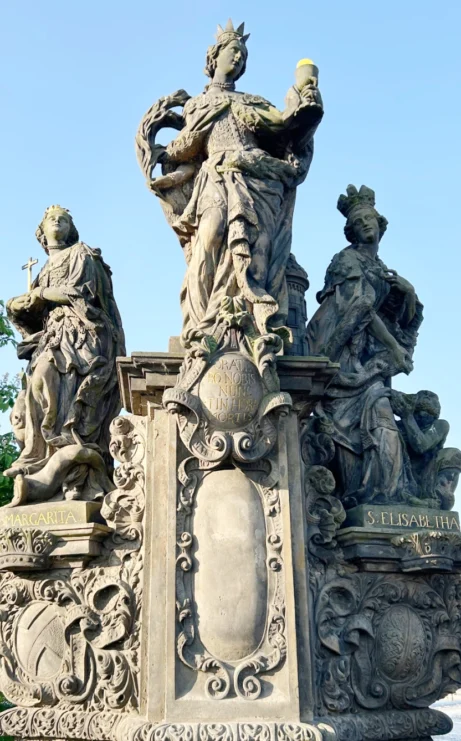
[72, 333]
[368, 322]
[228, 185]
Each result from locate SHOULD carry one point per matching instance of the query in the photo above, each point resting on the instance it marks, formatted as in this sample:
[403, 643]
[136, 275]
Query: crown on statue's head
[229, 32]
[354, 198]
[55, 207]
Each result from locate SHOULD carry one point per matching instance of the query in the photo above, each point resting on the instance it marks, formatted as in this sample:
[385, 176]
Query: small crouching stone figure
[435, 469]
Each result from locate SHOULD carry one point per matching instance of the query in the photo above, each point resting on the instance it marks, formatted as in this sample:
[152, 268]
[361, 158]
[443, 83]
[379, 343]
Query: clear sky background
[76, 77]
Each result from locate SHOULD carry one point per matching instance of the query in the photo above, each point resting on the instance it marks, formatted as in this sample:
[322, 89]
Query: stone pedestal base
[224, 596]
[74, 724]
[50, 535]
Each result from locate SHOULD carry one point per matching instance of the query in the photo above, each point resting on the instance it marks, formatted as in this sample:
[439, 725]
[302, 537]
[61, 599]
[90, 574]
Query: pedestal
[231, 599]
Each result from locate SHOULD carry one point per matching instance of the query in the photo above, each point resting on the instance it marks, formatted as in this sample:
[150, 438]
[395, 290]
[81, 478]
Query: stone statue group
[227, 188]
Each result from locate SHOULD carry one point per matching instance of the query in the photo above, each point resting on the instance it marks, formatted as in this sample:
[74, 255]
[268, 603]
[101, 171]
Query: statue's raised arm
[228, 185]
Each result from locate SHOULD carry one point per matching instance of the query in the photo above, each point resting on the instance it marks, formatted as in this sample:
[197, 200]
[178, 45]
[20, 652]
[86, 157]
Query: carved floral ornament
[25, 548]
[429, 550]
[386, 641]
[109, 726]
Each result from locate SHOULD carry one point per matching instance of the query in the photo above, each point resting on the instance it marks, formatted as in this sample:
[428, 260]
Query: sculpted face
[447, 482]
[366, 227]
[231, 59]
[56, 227]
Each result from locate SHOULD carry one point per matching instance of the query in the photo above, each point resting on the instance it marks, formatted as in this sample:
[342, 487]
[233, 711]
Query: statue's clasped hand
[310, 95]
[400, 283]
[25, 302]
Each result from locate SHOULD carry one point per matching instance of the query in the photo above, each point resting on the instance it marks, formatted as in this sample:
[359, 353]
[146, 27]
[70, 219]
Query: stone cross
[28, 266]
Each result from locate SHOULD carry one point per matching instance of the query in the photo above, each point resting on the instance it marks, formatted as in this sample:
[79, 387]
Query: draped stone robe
[239, 217]
[370, 459]
[72, 393]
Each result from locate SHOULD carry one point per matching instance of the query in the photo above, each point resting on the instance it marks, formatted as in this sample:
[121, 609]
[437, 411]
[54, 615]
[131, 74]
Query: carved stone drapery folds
[71, 335]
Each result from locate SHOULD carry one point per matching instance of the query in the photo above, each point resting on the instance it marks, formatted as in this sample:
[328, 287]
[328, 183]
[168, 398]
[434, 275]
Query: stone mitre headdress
[223, 37]
[354, 201]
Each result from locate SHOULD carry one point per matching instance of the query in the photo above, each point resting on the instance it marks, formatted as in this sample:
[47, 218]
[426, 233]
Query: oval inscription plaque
[230, 578]
[231, 391]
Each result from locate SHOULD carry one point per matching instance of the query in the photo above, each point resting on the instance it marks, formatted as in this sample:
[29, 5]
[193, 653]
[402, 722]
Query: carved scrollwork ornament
[428, 550]
[70, 638]
[123, 508]
[227, 398]
[243, 676]
[387, 641]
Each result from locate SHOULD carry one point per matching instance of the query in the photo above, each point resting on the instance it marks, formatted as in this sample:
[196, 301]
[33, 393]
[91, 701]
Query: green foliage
[8, 453]
[5, 705]
[9, 388]
[6, 330]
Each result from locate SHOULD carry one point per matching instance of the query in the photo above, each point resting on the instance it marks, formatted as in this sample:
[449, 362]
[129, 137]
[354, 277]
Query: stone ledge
[144, 376]
[401, 550]
[75, 530]
[52, 723]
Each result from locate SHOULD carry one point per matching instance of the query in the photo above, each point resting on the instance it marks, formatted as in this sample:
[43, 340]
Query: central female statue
[238, 161]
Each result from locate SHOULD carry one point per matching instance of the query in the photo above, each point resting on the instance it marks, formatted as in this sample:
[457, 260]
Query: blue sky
[77, 77]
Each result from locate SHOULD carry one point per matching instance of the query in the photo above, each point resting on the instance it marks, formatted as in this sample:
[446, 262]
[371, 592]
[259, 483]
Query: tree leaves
[6, 330]
[9, 389]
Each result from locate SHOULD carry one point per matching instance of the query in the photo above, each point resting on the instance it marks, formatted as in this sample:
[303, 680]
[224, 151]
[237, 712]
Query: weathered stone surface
[51, 515]
[72, 333]
[278, 562]
[144, 376]
[70, 630]
[231, 391]
[240, 154]
[368, 321]
[231, 582]
[297, 284]
[383, 516]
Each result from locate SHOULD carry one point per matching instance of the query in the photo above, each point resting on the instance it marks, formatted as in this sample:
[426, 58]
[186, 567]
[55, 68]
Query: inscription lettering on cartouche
[231, 391]
[385, 518]
[35, 519]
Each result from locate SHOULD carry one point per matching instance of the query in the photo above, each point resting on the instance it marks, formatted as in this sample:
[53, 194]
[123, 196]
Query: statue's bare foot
[20, 491]
[72, 494]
